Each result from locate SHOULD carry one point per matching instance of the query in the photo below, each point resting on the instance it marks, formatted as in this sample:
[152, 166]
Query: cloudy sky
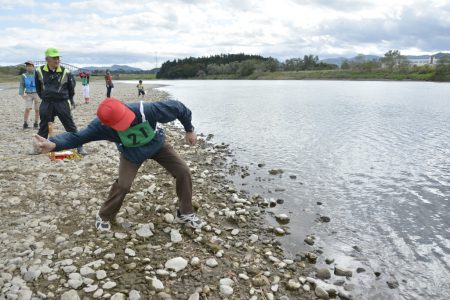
[146, 33]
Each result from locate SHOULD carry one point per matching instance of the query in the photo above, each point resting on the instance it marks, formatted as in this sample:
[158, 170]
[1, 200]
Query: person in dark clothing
[109, 84]
[55, 85]
[133, 128]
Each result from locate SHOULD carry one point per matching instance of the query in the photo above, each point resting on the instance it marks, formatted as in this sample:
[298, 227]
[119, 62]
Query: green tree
[442, 71]
[394, 60]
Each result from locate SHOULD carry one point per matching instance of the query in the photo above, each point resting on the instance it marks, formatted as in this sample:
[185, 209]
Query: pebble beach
[50, 249]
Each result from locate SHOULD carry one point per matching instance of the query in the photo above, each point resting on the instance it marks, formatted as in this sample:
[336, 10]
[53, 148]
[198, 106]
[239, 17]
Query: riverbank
[337, 75]
[50, 248]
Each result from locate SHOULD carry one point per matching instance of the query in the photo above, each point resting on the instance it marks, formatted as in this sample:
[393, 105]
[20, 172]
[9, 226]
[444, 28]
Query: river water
[373, 156]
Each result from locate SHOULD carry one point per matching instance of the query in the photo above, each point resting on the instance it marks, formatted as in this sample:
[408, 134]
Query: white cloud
[113, 31]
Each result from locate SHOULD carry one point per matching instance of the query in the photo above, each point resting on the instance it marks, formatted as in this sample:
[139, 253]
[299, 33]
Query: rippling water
[376, 154]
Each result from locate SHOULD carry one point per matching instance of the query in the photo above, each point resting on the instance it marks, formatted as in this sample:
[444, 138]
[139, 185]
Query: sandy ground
[49, 247]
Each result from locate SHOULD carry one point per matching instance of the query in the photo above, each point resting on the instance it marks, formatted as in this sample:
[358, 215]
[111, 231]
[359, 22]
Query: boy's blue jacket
[161, 112]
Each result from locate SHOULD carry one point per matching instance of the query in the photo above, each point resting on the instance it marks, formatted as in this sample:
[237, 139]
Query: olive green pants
[166, 157]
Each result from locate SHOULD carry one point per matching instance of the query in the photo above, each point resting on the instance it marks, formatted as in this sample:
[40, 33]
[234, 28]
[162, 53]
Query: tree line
[243, 65]
[236, 66]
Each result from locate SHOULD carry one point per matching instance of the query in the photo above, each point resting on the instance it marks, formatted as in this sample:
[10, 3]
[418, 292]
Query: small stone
[226, 281]
[134, 295]
[100, 274]
[195, 261]
[74, 283]
[360, 270]
[339, 271]
[157, 285]
[282, 218]
[144, 231]
[258, 281]
[175, 236]
[70, 295]
[253, 238]
[194, 296]
[329, 261]
[169, 218]
[323, 273]
[392, 283]
[130, 252]
[98, 293]
[177, 264]
[90, 288]
[293, 285]
[118, 296]
[25, 294]
[324, 219]
[85, 271]
[309, 240]
[109, 285]
[211, 262]
[120, 235]
[321, 293]
[235, 232]
[226, 290]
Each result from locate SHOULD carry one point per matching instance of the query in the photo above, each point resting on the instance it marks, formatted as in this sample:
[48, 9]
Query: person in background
[109, 83]
[27, 90]
[84, 76]
[132, 127]
[55, 85]
[140, 88]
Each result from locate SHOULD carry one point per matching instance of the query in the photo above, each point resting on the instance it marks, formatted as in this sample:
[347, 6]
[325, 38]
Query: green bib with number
[137, 135]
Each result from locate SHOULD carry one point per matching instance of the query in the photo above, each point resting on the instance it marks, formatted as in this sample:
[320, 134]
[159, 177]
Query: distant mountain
[113, 68]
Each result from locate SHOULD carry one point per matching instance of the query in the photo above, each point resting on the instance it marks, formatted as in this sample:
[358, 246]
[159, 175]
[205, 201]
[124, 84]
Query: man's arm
[71, 86]
[38, 84]
[170, 110]
[22, 85]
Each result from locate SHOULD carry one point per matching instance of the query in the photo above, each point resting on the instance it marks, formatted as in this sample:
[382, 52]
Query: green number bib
[138, 135]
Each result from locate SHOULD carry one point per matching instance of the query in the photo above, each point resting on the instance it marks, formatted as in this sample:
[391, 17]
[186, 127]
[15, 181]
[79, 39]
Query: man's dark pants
[51, 109]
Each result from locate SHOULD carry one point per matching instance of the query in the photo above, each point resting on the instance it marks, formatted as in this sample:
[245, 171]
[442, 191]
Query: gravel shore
[49, 247]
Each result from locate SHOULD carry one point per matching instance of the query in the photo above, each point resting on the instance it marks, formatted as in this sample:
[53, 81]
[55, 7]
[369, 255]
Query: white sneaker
[102, 225]
[191, 220]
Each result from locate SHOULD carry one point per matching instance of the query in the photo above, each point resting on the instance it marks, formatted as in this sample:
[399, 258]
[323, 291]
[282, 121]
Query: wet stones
[323, 273]
[276, 171]
[309, 240]
[282, 218]
[340, 271]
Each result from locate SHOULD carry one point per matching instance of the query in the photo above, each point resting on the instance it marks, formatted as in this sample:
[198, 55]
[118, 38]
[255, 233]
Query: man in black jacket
[55, 85]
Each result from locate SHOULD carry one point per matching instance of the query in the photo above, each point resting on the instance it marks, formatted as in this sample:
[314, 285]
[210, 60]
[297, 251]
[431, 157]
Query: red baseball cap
[113, 113]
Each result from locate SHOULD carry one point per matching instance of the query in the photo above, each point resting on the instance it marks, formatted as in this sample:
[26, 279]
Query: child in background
[84, 76]
[140, 88]
[27, 90]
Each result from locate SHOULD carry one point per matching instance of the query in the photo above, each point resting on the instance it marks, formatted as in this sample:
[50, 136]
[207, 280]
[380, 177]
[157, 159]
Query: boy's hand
[191, 138]
[42, 145]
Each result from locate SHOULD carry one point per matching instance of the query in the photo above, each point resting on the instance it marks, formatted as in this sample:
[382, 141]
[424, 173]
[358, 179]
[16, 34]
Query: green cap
[52, 52]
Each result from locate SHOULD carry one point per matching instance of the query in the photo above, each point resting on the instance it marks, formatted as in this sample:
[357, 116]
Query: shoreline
[51, 248]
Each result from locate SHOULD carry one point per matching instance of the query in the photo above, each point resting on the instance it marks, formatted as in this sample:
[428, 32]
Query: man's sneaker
[81, 151]
[25, 125]
[101, 225]
[36, 125]
[191, 220]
